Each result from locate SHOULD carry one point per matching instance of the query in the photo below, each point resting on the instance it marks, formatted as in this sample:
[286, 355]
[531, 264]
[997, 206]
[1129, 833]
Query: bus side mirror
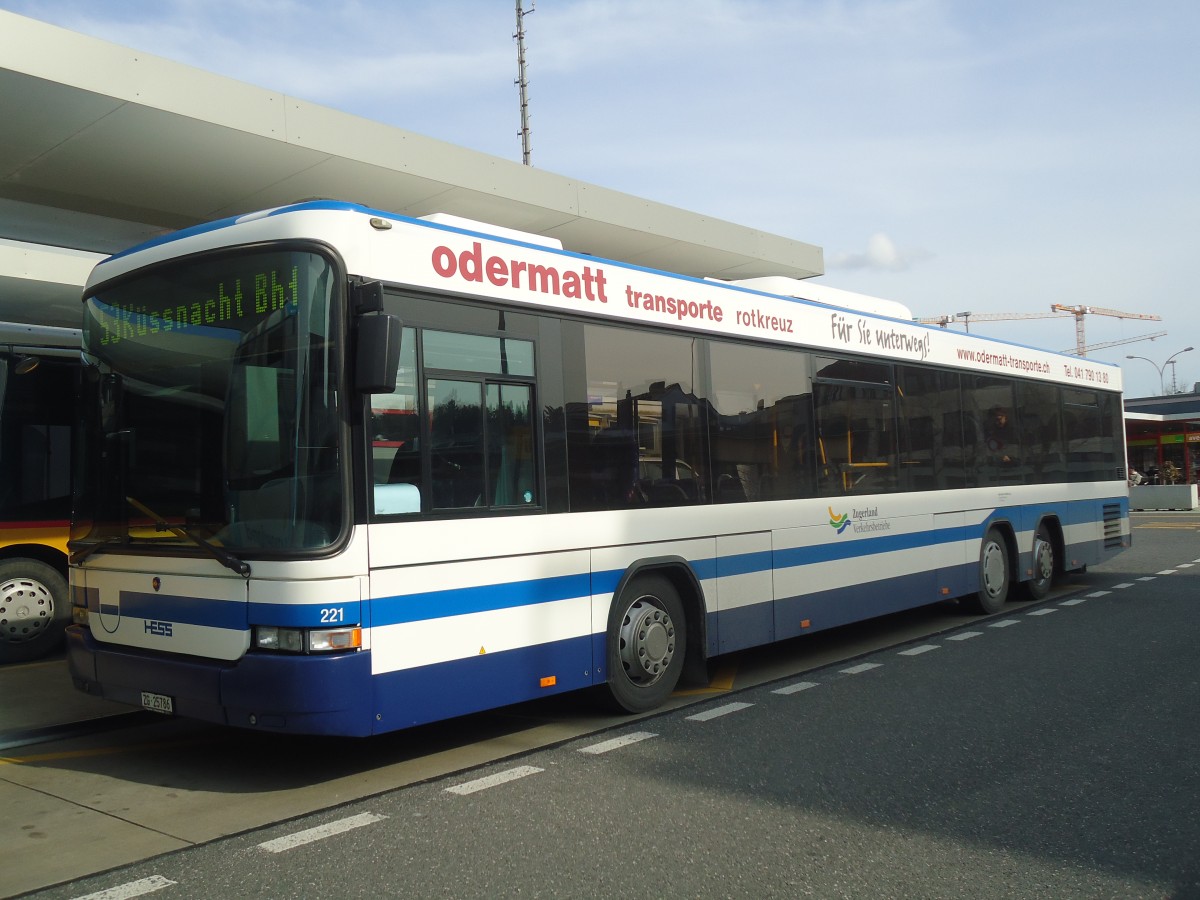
[377, 353]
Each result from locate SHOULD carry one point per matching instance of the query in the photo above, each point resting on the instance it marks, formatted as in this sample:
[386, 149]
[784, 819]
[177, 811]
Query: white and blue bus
[345, 472]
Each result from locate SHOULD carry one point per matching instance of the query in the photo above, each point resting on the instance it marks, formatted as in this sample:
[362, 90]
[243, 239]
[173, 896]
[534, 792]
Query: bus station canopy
[104, 146]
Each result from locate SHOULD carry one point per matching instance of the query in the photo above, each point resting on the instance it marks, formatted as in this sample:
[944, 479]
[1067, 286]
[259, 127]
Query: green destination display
[236, 301]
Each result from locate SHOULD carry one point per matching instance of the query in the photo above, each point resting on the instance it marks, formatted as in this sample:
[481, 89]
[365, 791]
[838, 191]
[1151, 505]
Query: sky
[953, 155]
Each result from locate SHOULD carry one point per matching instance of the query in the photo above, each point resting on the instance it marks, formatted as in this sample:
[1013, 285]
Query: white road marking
[300, 838]
[795, 688]
[719, 711]
[964, 636]
[130, 889]
[860, 668]
[618, 742]
[1099, 593]
[1004, 623]
[1185, 565]
[1079, 600]
[490, 781]
[1167, 572]
[917, 651]
[1147, 578]
[1042, 612]
[1122, 586]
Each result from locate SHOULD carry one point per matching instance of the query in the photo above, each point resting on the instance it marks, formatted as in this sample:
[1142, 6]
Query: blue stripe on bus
[819, 553]
[441, 690]
[204, 611]
[484, 598]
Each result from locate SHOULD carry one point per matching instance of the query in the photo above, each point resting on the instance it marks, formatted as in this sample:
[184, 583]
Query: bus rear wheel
[647, 643]
[1044, 564]
[33, 609]
[994, 573]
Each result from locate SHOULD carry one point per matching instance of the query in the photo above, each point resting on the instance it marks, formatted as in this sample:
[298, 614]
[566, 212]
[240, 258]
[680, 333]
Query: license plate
[159, 703]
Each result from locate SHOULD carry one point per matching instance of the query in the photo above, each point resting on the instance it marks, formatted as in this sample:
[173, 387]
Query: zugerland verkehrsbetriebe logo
[838, 523]
[860, 521]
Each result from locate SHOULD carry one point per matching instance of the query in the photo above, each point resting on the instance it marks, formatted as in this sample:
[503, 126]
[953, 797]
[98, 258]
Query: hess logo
[162, 629]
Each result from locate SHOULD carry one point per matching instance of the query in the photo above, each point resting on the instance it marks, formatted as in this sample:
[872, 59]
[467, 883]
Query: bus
[39, 371]
[344, 471]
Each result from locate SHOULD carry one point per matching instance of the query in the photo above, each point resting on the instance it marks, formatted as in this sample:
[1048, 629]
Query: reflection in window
[990, 422]
[1091, 429]
[856, 433]
[1039, 422]
[762, 435]
[930, 429]
[638, 438]
[463, 442]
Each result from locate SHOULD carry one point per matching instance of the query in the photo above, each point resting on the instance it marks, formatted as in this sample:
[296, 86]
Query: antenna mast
[522, 80]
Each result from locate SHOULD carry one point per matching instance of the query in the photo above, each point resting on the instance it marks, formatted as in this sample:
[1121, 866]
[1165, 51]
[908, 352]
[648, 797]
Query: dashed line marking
[491, 781]
[1122, 586]
[617, 743]
[860, 668]
[130, 889]
[719, 711]
[1099, 594]
[1185, 565]
[300, 838]
[1147, 578]
[1167, 572]
[917, 651]
[1004, 623]
[964, 635]
[1045, 611]
[795, 688]
[1079, 600]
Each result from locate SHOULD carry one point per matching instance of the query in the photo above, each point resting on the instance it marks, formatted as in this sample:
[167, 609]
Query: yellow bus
[39, 372]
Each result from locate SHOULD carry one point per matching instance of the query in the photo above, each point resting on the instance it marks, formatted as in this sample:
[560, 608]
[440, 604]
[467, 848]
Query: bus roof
[469, 258]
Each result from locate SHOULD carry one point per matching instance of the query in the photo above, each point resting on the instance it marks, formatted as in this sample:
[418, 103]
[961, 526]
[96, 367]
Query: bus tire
[994, 573]
[1045, 564]
[647, 643]
[33, 609]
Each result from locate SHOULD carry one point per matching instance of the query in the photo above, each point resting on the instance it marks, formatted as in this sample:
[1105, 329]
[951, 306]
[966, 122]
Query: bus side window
[394, 430]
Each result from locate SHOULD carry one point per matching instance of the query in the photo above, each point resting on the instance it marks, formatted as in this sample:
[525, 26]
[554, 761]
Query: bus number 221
[332, 614]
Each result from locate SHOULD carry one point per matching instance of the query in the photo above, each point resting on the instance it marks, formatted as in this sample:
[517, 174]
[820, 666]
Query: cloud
[881, 255]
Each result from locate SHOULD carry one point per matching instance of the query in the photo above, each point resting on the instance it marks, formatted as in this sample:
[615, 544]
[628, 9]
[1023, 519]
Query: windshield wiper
[220, 554]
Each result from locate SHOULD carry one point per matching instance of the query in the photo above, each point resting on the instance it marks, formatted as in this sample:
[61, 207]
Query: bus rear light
[549, 681]
[305, 640]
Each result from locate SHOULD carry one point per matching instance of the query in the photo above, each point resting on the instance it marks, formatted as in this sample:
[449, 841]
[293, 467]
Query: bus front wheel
[33, 609]
[994, 573]
[647, 642]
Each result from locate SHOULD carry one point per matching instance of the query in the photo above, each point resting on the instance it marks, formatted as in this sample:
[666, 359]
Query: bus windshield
[216, 420]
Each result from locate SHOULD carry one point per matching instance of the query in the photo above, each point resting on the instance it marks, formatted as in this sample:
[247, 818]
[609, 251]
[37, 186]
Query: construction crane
[1079, 312]
[968, 317]
[1057, 311]
[1129, 340]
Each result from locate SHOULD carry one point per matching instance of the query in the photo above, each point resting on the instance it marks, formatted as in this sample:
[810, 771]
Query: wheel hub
[1043, 560]
[26, 610]
[647, 641]
[993, 569]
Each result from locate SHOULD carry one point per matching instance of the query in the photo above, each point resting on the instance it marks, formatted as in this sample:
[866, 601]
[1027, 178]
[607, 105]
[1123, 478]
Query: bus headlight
[271, 637]
[307, 640]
